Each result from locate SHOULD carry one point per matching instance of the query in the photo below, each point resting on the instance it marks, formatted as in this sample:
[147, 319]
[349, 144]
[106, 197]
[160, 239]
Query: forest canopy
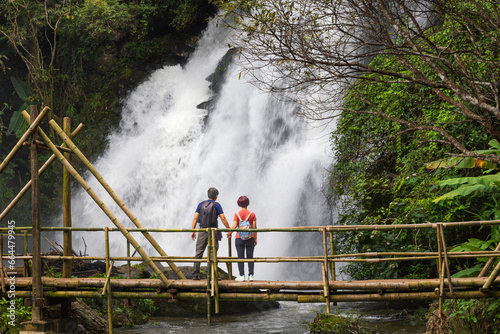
[407, 82]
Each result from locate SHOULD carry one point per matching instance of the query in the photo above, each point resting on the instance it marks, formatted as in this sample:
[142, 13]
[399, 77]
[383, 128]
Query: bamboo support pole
[67, 236]
[440, 270]
[446, 261]
[105, 209]
[492, 277]
[2, 282]
[26, 263]
[107, 287]
[324, 269]
[489, 264]
[31, 129]
[209, 277]
[113, 195]
[332, 254]
[128, 261]
[229, 265]
[37, 288]
[42, 169]
[215, 292]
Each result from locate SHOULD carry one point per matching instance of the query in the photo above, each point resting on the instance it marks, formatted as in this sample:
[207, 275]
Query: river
[288, 319]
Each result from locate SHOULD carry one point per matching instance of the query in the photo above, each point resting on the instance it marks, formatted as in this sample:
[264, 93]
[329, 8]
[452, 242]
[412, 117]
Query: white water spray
[162, 160]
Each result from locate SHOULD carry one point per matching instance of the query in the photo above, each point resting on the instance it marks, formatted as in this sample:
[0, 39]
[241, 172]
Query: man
[206, 215]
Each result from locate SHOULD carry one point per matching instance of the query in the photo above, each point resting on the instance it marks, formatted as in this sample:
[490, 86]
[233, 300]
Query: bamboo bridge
[39, 291]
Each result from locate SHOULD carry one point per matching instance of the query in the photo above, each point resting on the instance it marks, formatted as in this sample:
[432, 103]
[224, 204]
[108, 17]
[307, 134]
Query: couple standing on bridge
[207, 214]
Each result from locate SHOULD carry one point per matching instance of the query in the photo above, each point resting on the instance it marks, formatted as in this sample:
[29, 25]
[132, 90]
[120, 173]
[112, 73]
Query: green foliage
[487, 184]
[473, 316]
[379, 174]
[126, 315]
[12, 315]
[326, 323]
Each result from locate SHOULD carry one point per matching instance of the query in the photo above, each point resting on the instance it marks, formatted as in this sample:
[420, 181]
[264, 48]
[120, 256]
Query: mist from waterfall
[163, 157]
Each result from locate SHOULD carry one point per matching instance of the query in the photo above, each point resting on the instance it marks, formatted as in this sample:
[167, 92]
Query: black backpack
[208, 215]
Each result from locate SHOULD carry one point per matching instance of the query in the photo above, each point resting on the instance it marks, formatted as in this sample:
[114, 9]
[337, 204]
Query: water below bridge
[289, 318]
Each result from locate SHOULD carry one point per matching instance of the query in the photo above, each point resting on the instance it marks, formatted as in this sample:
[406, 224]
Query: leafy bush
[11, 324]
[325, 323]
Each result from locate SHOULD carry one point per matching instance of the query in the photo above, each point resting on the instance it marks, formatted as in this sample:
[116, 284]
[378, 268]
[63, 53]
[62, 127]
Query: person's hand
[255, 242]
[193, 236]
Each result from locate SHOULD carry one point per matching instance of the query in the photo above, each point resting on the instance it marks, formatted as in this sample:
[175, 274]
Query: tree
[31, 28]
[316, 52]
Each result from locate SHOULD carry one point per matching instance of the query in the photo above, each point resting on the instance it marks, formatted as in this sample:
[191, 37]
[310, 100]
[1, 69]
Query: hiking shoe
[240, 278]
[250, 277]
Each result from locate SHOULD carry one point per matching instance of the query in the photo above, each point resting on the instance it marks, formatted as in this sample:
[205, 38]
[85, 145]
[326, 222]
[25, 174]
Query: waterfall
[166, 153]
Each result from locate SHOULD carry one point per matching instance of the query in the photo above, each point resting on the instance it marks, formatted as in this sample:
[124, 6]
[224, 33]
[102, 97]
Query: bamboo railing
[326, 291]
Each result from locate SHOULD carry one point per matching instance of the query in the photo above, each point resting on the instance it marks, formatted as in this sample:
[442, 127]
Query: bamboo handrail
[110, 191]
[154, 283]
[26, 135]
[102, 206]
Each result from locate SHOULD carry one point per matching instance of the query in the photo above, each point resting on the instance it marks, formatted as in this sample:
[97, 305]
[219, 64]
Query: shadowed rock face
[217, 79]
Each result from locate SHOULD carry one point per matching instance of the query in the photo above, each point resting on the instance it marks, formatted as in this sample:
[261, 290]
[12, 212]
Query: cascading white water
[162, 160]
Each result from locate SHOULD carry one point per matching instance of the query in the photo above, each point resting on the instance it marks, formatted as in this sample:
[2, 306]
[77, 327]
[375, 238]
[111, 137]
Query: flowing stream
[167, 152]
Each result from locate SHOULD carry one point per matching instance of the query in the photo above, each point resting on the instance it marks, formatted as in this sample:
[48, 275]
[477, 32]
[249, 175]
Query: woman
[243, 244]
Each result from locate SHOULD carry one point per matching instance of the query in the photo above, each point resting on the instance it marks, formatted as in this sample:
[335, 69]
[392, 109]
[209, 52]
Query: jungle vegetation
[80, 57]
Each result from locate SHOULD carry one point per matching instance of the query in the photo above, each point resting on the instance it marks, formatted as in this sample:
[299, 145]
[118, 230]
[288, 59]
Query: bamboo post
[229, 264]
[332, 253]
[446, 263]
[332, 263]
[209, 276]
[35, 121]
[2, 282]
[67, 236]
[128, 261]
[440, 270]
[28, 185]
[35, 216]
[215, 292]
[105, 209]
[26, 263]
[113, 195]
[324, 267]
[107, 287]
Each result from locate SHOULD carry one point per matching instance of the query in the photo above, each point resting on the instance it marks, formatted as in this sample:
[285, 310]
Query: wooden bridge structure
[39, 290]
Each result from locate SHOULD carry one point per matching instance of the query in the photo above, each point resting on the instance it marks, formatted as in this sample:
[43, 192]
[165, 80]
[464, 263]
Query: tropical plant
[487, 184]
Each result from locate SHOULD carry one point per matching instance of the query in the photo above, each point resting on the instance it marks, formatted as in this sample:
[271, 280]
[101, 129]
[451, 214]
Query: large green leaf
[21, 89]
[465, 162]
[485, 184]
[494, 143]
[17, 120]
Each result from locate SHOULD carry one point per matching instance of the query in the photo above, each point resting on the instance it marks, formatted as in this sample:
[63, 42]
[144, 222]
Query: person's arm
[254, 225]
[226, 224]
[195, 219]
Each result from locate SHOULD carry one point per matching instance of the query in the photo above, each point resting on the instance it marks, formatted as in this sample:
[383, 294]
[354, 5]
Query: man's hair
[213, 193]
